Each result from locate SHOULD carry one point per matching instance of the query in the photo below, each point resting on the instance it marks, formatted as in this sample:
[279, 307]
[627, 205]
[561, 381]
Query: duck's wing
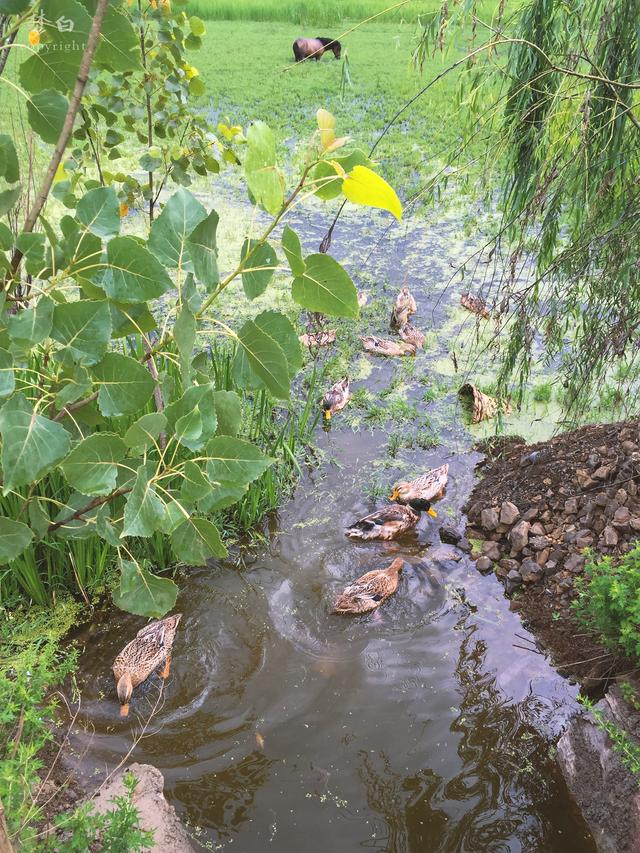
[432, 483]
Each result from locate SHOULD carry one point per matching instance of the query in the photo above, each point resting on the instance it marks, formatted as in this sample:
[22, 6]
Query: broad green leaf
[99, 211]
[13, 7]
[171, 230]
[194, 484]
[84, 330]
[264, 179]
[131, 319]
[38, 518]
[265, 358]
[82, 527]
[119, 45]
[196, 540]
[145, 431]
[184, 334]
[277, 326]
[8, 198]
[326, 287]
[203, 250]
[144, 511]
[55, 65]
[126, 385]
[76, 383]
[142, 592]
[189, 428]
[6, 237]
[197, 26]
[47, 111]
[221, 496]
[229, 411]
[31, 444]
[14, 538]
[197, 398]
[7, 376]
[261, 261]
[9, 169]
[363, 186]
[134, 274]
[232, 460]
[293, 250]
[106, 528]
[91, 467]
[32, 325]
[328, 179]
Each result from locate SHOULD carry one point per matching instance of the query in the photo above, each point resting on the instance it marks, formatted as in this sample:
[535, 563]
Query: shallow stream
[426, 726]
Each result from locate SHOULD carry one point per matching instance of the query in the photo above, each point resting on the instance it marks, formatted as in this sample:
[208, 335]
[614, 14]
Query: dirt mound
[533, 514]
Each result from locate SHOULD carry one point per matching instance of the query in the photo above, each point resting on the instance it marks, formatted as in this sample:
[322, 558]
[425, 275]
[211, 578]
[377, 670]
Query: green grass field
[249, 72]
[312, 12]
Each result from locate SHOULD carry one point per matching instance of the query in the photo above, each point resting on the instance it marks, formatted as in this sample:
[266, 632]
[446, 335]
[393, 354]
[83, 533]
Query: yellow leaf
[61, 174]
[124, 209]
[362, 186]
[337, 143]
[326, 121]
[34, 37]
[339, 169]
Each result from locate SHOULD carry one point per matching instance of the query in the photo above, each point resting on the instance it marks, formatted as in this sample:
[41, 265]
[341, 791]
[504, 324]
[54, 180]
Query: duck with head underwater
[149, 650]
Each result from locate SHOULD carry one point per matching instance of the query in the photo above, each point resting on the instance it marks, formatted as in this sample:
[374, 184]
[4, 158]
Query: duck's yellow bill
[394, 495]
[124, 710]
[327, 415]
[432, 513]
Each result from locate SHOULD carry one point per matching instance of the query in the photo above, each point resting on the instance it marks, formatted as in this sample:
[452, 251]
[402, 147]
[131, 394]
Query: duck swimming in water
[336, 398]
[369, 591]
[423, 491]
[386, 523]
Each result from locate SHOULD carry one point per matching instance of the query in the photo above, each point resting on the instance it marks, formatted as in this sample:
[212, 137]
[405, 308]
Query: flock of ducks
[150, 650]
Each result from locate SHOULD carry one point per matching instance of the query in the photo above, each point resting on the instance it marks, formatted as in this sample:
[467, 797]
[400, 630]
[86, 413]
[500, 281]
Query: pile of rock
[551, 502]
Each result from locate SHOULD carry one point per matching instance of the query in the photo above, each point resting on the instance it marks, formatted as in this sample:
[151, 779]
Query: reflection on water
[420, 727]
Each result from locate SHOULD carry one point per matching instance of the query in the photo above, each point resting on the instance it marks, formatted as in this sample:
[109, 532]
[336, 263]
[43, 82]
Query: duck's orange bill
[432, 513]
[327, 415]
[124, 710]
[394, 495]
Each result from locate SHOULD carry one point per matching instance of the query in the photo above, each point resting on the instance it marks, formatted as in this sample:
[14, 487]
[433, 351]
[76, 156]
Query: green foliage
[609, 600]
[627, 749]
[113, 450]
[31, 667]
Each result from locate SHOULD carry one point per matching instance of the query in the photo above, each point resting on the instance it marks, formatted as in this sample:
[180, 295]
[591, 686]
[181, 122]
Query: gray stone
[449, 534]
[513, 581]
[539, 543]
[602, 473]
[156, 814]
[571, 506]
[491, 550]
[484, 564]
[509, 513]
[584, 480]
[489, 518]
[519, 536]
[584, 539]
[605, 791]
[574, 563]
[442, 553]
[530, 514]
[610, 536]
[622, 497]
[531, 571]
[622, 516]
[634, 523]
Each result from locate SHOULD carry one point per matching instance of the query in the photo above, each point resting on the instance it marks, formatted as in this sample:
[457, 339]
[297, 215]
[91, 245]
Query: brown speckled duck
[380, 346]
[386, 523]
[423, 491]
[369, 591]
[411, 335]
[405, 299]
[336, 398]
[150, 648]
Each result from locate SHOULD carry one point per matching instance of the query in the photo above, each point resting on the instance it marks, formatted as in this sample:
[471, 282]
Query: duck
[363, 298]
[323, 338]
[150, 648]
[405, 299]
[336, 398]
[411, 335]
[369, 591]
[475, 304]
[379, 346]
[420, 493]
[387, 523]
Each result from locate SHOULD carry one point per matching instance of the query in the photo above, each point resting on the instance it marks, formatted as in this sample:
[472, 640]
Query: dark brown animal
[315, 48]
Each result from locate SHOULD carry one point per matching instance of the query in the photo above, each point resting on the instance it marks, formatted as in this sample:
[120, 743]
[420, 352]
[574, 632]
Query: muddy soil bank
[530, 517]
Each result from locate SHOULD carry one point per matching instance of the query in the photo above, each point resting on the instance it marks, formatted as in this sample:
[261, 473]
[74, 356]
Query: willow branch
[96, 502]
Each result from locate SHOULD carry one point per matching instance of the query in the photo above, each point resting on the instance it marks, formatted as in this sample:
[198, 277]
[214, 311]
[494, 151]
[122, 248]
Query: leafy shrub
[609, 600]
[624, 745]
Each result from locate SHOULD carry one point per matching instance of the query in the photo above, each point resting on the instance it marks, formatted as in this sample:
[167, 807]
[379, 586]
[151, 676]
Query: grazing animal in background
[379, 346]
[386, 523]
[315, 48]
[336, 398]
[411, 335]
[150, 649]
[404, 300]
[421, 492]
[369, 591]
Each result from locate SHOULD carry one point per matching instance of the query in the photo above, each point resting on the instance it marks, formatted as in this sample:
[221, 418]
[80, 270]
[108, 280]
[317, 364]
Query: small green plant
[630, 695]
[624, 745]
[542, 393]
[609, 600]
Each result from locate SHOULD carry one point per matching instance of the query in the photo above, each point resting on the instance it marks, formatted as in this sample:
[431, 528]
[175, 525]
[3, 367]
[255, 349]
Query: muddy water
[427, 726]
